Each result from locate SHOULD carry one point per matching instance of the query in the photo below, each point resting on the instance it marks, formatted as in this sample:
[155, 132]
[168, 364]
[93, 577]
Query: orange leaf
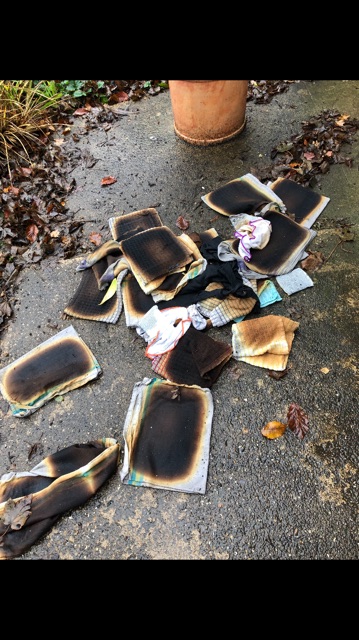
[182, 223]
[108, 180]
[342, 120]
[25, 171]
[95, 238]
[32, 232]
[273, 430]
[80, 112]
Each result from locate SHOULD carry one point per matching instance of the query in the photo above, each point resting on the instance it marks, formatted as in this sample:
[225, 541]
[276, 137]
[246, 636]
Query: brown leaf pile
[310, 153]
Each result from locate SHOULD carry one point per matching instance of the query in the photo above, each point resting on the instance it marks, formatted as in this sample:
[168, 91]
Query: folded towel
[264, 342]
[129, 224]
[304, 203]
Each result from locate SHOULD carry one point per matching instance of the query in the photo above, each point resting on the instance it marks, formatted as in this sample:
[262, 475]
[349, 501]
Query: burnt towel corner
[264, 342]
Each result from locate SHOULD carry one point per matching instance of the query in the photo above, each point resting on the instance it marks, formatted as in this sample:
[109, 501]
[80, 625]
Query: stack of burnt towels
[149, 270]
[173, 289]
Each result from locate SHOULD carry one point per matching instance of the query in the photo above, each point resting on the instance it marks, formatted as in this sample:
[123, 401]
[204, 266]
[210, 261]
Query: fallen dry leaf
[273, 429]
[11, 189]
[80, 112]
[341, 121]
[325, 370]
[32, 232]
[17, 512]
[118, 96]
[108, 180]
[5, 309]
[346, 234]
[313, 261]
[35, 448]
[95, 238]
[25, 171]
[297, 420]
[277, 375]
[182, 223]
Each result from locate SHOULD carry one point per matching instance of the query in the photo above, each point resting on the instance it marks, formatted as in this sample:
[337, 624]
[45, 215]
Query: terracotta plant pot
[208, 111]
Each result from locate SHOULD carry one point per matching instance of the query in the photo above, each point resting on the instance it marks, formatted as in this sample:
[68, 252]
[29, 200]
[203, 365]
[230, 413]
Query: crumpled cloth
[220, 312]
[287, 243]
[167, 435]
[32, 501]
[264, 342]
[128, 224]
[163, 329]
[198, 359]
[255, 234]
[267, 294]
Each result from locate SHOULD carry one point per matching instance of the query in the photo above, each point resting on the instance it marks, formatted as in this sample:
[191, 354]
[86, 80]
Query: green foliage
[48, 89]
[78, 89]
[26, 107]
[148, 84]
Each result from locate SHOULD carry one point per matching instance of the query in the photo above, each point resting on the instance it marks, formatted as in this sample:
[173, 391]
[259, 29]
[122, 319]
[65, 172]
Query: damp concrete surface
[280, 499]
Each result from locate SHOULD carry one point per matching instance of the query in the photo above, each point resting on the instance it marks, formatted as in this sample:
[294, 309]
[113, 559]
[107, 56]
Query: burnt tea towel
[167, 435]
[264, 342]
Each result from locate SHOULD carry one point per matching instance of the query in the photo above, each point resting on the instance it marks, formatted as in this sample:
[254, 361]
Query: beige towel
[264, 342]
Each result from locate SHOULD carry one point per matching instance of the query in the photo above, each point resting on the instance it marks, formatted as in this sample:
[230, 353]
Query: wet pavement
[265, 499]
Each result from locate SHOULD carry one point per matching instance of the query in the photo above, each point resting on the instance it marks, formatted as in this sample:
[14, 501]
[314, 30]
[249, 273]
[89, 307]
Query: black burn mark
[236, 197]
[169, 438]
[298, 199]
[53, 365]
